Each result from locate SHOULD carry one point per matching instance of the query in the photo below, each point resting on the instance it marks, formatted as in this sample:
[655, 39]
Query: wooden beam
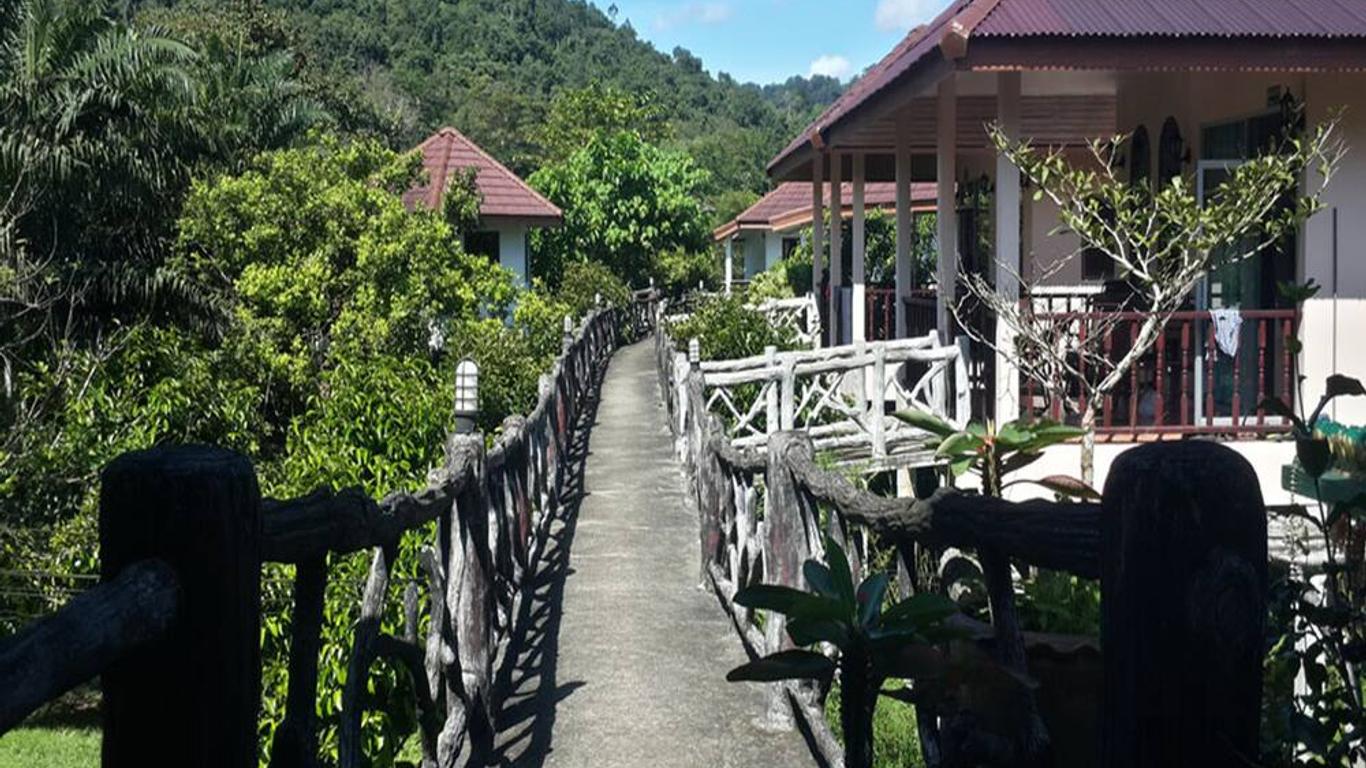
[836, 333]
[817, 227]
[858, 315]
[947, 202]
[904, 275]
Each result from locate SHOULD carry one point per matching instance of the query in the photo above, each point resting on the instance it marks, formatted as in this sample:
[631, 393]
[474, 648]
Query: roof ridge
[497, 165]
[954, 42]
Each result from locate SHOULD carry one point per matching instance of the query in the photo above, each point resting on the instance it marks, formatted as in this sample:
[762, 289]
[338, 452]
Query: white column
[836, 246]
[817, 224]
[904, 232]
[1007, 232]
[730, 263]
[946, 214]
[858, 310]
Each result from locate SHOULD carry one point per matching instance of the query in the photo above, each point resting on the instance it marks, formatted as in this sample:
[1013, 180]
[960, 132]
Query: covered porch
[1195, 106]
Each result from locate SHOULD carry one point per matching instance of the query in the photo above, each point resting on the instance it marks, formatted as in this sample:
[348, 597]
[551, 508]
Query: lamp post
[466, 396]
[568, 340]
[694, 351]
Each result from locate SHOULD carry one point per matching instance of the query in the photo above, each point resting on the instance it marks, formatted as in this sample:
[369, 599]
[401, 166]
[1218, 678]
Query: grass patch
[53, 747]
[896, 742]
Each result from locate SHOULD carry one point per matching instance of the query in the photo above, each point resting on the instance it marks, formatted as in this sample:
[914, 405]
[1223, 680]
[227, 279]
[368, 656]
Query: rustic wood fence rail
[1178, 544]
[174, 630]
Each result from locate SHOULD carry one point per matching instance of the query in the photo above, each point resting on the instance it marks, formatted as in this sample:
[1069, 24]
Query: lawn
[52, 747]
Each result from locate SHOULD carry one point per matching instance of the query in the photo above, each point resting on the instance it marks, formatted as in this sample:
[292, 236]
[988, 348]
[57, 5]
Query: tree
[1163, 243]
[625, 201]
[577, 115]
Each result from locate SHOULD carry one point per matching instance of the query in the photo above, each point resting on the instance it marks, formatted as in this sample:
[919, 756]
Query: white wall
[750, 251]
[773, 249]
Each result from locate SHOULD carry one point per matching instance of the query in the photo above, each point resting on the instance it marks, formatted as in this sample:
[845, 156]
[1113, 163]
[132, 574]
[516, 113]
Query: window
[1171, 152]
[484, 243]
[1096, 266]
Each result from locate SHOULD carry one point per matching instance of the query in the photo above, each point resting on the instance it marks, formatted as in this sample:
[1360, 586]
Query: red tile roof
[789, 204]
[1210, 18]
[505, 196]
[1297, 23]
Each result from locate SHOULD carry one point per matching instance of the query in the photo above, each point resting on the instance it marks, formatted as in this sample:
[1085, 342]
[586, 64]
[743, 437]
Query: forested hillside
[492, 67]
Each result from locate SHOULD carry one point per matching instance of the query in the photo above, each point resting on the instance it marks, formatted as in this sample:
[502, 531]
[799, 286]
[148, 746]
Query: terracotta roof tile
[789, 200]
[504, 194]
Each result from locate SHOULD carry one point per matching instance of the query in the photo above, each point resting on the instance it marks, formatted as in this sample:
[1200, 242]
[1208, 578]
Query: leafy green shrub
[541, 315]
[788, 278]
[727, 329]
[583, 281]
[680, 270]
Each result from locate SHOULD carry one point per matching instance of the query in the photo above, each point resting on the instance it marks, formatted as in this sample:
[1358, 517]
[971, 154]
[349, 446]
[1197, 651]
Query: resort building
[1200, 86]
[509, 209]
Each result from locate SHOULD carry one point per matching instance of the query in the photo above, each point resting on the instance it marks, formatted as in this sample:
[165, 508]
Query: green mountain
[491, 68]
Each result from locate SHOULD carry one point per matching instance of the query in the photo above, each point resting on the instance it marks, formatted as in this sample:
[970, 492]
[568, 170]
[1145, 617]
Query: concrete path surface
[626, 657]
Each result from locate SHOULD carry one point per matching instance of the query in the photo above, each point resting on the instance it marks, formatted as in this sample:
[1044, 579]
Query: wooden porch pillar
[817, 227]
[1007, 232]
[945, 206]
[836, 247]
[857, 311]
[904, 233]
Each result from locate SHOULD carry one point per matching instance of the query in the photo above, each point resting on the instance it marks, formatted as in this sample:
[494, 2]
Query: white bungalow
[508, 210]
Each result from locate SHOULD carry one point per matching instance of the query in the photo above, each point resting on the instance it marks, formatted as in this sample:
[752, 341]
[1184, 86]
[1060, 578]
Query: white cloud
[831, 65]
[900, 15]
[694, 13]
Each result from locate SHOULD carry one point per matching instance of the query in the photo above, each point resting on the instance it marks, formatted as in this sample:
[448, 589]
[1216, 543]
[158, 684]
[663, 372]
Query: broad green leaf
[819, 579]
[841, 574]
[1018, 461]
[1315, 455]
[1070, 487]
[785, 665]
[812, 631]
[926, 421]
[919, 610]
[959, 443]
[791, 602]
[870, 594]
[961, 466]
[1014, 436]
[1343, 386]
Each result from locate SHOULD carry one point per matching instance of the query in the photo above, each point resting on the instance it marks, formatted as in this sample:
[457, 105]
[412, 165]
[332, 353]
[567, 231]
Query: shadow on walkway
[527, 684]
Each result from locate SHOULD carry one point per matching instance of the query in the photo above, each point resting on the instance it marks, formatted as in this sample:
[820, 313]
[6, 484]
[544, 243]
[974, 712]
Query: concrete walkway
[627, 657]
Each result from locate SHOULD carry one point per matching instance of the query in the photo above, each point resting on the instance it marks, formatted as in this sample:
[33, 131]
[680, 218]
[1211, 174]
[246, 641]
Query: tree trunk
[858, 696]
[1088, 444]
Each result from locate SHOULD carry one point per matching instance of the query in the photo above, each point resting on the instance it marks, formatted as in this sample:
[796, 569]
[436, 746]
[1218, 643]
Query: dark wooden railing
[174, 630]
[1179, 547]
[1186, 384]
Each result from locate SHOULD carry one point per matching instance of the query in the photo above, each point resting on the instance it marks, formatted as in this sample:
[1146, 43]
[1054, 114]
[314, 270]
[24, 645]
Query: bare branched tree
[1163, 244]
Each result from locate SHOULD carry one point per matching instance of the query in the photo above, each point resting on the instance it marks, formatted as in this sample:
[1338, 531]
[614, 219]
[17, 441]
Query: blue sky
[767, 41]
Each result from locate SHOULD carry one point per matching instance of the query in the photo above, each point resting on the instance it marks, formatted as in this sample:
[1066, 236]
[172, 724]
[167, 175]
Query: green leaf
[870, 594]
[1014, 436]
[919, 610]
[1071, 487]
[818, 578]
[785, 665]
[926, 421]
[959, 443]
[1315, 455]
[1018, 461]
[791, 602]
[1343, 386]
[841, 574]
[812, 631]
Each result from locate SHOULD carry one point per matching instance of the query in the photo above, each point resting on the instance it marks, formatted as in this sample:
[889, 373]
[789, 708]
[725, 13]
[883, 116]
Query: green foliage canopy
[625, 201]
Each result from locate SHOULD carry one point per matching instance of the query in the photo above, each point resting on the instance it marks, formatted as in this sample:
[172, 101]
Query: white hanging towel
[1227, 324]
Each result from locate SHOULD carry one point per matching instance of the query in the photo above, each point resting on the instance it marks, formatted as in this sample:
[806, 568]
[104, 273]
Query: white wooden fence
[844, 397]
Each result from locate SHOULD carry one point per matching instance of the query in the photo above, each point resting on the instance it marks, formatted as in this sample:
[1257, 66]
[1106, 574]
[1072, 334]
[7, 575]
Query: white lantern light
[694, 351]
[466, 395]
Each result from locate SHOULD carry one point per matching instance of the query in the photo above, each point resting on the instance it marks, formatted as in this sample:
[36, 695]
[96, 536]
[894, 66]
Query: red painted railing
[1186, 384]
[880, 312]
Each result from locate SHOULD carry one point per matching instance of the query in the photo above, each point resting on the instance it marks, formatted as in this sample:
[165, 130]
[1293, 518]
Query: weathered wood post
[191, 698]
[785, 550]
[1184, 584]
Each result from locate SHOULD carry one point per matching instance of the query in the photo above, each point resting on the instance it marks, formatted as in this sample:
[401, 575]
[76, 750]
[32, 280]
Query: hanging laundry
[1227, 324]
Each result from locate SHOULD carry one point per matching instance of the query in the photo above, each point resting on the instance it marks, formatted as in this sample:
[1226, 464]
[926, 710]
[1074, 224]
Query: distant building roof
[505, 196]
[995, 35]
[789, 205]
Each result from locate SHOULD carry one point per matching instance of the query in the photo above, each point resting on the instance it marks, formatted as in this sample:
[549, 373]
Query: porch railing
[1188, 383]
